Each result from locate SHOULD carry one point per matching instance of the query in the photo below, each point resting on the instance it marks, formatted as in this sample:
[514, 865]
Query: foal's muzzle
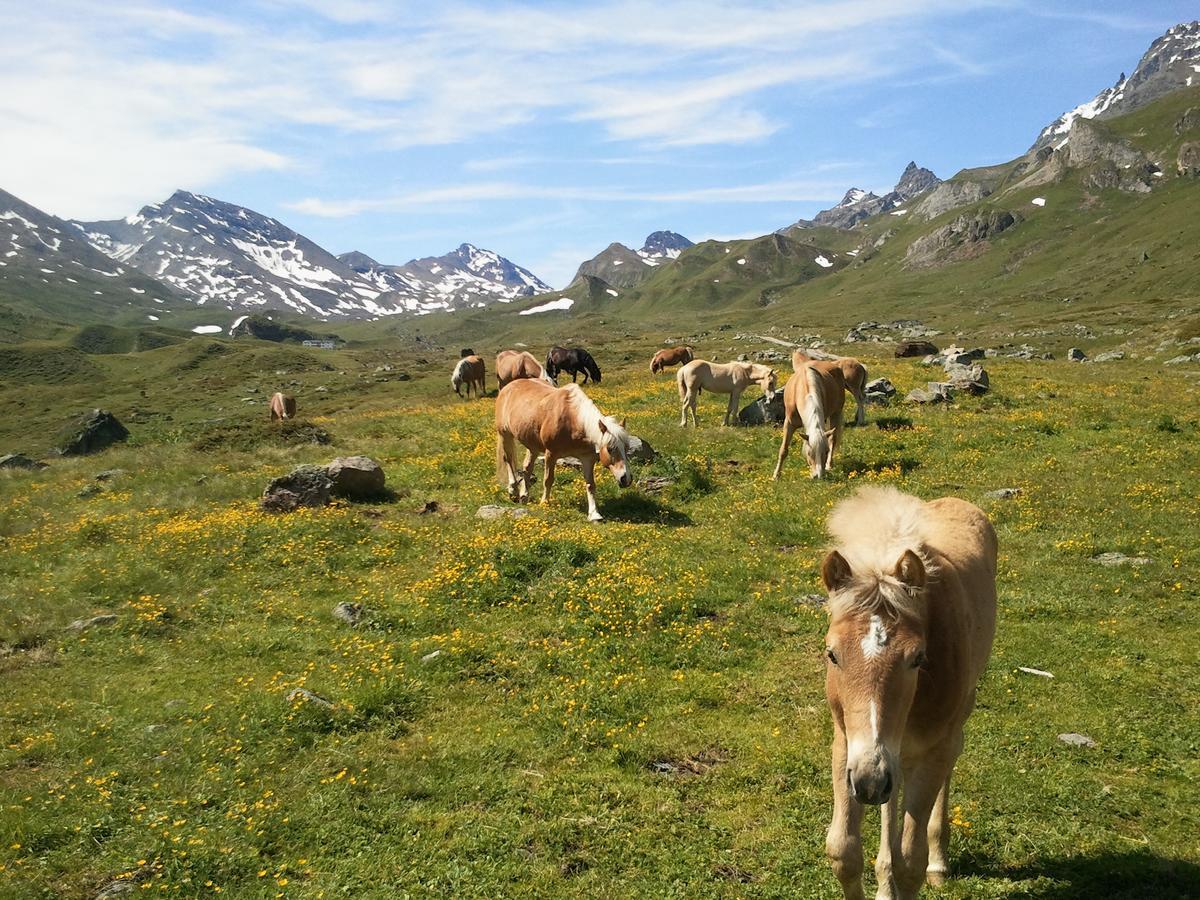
[871, 783]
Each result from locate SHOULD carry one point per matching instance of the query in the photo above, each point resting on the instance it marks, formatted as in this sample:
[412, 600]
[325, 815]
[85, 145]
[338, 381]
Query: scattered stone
[1003, 493]
[304, 486]
[1041, 673]
[1077, 740]
[356, 477]
[641, 450]
[761, 412]
[1109, 356]
[110, 474]
[350, 613]
[115, 889]
[880, 390]
[769, 356]
[1113, 558]
[430, 506]
[88, 491]
[491, 511]
[321, 389]
[654, 483]
[1177, 360]
[20, 461]
[1076, 355]
[816, 601]
[914, 348]
[94, 622]
[430, 657]
[153, 729]
[973, 378]
[304, 695]
[742, 357]
[963, 357]
[934, 392]
[90, 433]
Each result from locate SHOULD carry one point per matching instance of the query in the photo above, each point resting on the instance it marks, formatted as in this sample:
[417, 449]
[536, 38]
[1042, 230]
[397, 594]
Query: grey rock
[20, 461]
[1077, 740]
[115, 889]
[1188, 161]
[356, 477]
[350, 613]
[91, 433]
[491, 511]
[963, 357]
[972, 379]
[654, 483]
[1076, 355]
[304, 486]
[94, 622]
[949, 195]
[906, 349]
[430, 657]
[1109, 356]
[742, 357]
[641, 450]
[304, 695]
[816, 601]
[967, 230]
[760, 412]
[1003, 493]
[88, 491]
[110, 474]
[880, 391]
[1177, 360]
[1113, 558]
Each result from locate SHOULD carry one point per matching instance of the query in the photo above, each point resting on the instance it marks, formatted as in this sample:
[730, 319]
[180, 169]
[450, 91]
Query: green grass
[550, 707]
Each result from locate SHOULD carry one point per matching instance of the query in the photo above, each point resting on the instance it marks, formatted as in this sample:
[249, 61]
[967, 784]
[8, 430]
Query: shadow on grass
[633, 507]
[1114, 876]
[855, 464]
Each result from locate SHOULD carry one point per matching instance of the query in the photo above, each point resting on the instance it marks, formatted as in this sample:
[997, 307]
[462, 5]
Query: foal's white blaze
[874, 722]
[876, 638]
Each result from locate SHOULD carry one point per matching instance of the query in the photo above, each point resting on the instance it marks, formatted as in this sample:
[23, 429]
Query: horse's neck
[586, 415]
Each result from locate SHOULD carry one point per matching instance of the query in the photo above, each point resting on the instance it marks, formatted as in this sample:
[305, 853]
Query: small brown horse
[556, 422]
[469, 371]
[514, 364]
[855, 375]
[672, 356]
[912, 609]
[282, 406]
[812, 400]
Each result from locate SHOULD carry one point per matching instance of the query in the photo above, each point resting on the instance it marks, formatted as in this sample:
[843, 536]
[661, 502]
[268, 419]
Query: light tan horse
[469, 371]
[282, 406]
[812, 400]
[556, 422]
[855, 374]
[514, 364]
[720, 378]
[672, 356]
[912, 606]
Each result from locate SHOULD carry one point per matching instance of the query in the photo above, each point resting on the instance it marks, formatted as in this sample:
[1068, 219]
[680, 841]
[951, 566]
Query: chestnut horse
[721, 378]
[912, 609]
[672, 356]
[812, 400]
[556, 422]
[469, 371]
[282, 406]
[855, 374]
[514, 364]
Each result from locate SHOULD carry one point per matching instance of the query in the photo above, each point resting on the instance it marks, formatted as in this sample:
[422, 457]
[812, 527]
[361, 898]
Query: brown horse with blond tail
[912, 614]
[855, 375]
[556, 422]
[812, 400]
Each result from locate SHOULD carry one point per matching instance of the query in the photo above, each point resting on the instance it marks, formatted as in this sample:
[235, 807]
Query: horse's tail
[655, 365]
[816, 396]
[682, 386]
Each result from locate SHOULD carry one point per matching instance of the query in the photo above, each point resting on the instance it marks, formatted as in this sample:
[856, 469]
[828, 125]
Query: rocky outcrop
[19, 461]
[1189, 159]
[949, 195]
[304, 486]
[914, 348]
[91, 433]
[959, 237]
[356, 477]
[1189, 121]
[762, 412]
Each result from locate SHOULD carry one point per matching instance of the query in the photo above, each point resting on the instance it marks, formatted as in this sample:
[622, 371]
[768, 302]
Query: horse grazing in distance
[573, 360]
[514, 364]
[912, 614]
[282, 406]
[556, 422]
[855, 375]
[671, 356]
[469, 371]
[812, 400]
[721, 378]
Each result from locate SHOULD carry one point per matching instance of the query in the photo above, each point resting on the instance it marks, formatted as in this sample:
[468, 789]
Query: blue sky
[541, 130]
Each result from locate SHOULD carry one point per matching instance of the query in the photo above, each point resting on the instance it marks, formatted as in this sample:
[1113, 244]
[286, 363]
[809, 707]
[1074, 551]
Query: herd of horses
[911, 588]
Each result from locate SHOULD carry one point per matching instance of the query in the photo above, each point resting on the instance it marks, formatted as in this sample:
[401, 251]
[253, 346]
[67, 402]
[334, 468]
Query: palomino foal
[557, 422]
[813, 399]
[912, 606]
[855, 375]
[721, 378]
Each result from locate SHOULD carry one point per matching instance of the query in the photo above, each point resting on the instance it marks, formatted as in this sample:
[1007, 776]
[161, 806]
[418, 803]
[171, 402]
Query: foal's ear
[835, 571]
[603, 427]
[623, 421]
[910, 570]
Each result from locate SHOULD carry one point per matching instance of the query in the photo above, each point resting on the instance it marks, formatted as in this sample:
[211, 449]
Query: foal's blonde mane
[873, 529]
[590, 416]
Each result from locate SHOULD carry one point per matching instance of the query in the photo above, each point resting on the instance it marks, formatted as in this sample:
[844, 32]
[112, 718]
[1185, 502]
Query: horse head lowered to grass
[912, 607]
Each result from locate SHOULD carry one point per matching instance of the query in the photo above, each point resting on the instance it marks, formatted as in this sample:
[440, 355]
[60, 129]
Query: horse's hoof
[595, 517]
[936, 877]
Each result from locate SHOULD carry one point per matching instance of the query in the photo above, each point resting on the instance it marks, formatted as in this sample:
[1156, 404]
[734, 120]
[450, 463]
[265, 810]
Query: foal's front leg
[789, 429]
[731, 410]
[843, 842]
[548, 476]
[589, 478]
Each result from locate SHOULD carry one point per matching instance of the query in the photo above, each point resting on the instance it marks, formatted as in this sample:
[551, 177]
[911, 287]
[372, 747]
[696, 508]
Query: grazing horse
[514, 364]
[282, 406]
[813, 399]
[721, 378]
[912, 609]
[672, 356]
[556, 422]
[469, 371]
[573, 360]
[855, 374]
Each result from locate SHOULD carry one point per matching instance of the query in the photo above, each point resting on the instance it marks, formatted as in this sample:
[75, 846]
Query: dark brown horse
[573, 360]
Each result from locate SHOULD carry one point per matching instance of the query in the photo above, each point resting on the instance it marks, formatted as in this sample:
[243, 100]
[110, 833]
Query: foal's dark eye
[831, 656]
[919, 659]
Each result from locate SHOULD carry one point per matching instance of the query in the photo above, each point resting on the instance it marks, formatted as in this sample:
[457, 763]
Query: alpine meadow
[281, 614]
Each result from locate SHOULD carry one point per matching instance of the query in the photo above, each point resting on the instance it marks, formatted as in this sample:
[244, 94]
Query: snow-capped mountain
[1171, 63]
[858, 204]
[217, 253]
[45, 262]
[622, 267]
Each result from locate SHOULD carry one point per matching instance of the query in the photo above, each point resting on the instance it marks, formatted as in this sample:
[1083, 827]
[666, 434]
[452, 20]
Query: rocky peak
[665, 243]
[915, 180]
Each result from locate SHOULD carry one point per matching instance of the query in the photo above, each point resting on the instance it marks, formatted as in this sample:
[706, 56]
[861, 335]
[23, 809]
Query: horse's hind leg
[509, 444]
[731, 409]
[527, 475]
[548, 477]
[789, 429]
[860, 411]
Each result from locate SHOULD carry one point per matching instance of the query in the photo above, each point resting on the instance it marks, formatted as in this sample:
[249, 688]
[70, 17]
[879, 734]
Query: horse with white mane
[721, 378]
[556, 422]
[855, 375]
[813, 399]
[469, 371]
[912, 607]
